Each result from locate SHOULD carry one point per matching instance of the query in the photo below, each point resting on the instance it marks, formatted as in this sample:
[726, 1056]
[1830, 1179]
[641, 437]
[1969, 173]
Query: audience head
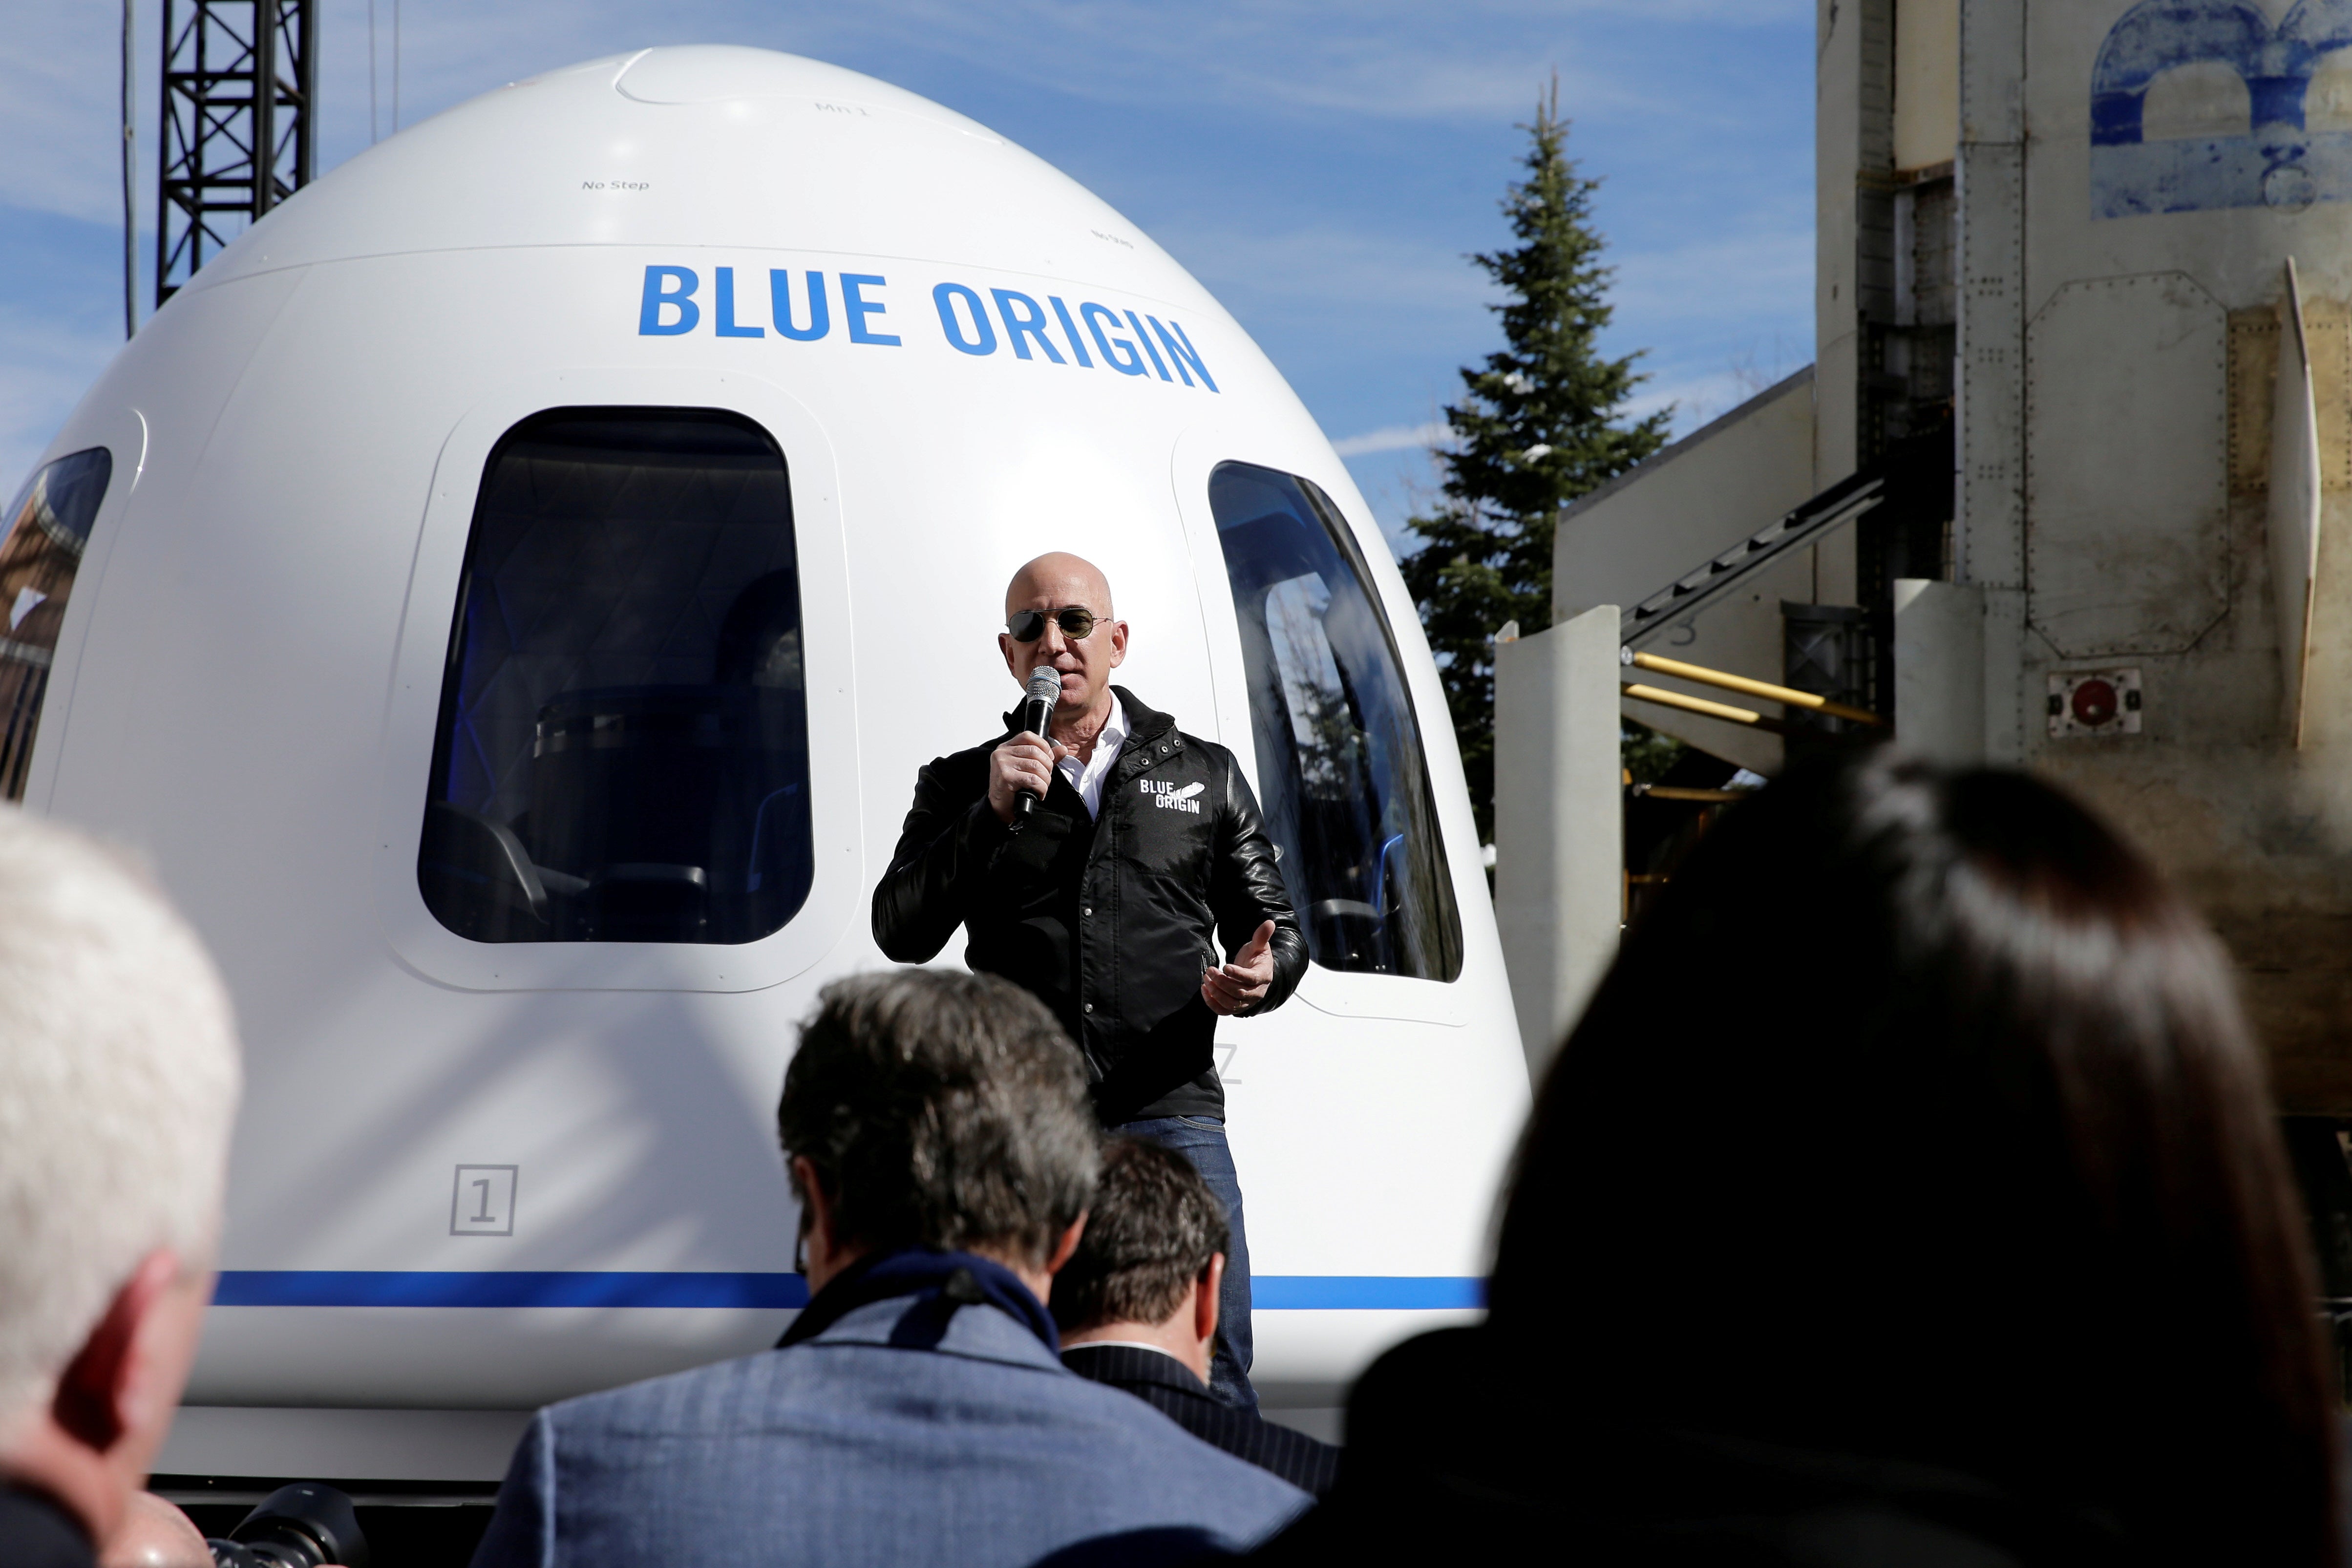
[935, 1109]
[1919, 1116]
[118, 1077]
[1151, 1258]
[155, 1534]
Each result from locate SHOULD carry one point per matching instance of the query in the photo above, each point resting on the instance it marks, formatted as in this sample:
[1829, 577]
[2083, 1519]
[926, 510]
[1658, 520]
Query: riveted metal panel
[1988, 537]
[2127, 555]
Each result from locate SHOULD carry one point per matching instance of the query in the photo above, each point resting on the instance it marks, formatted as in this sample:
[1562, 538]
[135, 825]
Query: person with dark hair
[940, 1142]
[1910, 1193]
[1138, 1308]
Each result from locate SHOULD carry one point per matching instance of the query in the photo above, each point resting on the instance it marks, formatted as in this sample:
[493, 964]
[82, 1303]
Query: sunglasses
[1077, 624]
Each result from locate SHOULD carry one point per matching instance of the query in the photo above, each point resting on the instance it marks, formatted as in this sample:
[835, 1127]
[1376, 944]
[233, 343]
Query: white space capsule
[509, 594]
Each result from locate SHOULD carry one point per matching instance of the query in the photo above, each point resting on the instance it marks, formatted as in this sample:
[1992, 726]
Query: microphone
[1037, 715]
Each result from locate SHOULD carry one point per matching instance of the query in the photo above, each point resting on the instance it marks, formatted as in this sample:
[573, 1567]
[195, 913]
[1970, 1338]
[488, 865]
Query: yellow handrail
[1723, 710]
[1740, 683]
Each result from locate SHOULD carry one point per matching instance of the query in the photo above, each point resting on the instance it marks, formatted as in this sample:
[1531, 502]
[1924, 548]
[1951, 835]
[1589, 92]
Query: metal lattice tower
[240, 78]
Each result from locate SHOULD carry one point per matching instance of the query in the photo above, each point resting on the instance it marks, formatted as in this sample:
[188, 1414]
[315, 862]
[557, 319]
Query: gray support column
[1560, 836]
[1939, 649]
[1988, 526]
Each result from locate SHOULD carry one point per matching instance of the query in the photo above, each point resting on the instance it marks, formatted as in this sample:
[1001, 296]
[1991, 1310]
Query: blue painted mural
[2278, 162]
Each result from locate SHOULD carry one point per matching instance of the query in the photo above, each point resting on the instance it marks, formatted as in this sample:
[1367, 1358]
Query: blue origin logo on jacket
[1166, 797]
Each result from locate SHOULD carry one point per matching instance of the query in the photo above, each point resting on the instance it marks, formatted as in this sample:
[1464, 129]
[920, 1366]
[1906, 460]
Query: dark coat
[36, 1531]
[1169, 1386]
[1459, 1450]
[1110, 920]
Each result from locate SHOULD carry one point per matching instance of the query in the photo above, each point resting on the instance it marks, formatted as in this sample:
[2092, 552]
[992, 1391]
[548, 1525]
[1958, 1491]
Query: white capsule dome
[537, 558]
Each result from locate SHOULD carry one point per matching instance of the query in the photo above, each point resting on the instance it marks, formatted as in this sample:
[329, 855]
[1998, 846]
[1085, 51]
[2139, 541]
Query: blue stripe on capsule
[521, 1287]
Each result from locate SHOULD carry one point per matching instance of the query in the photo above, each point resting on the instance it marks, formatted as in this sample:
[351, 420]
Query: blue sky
[1323, 167]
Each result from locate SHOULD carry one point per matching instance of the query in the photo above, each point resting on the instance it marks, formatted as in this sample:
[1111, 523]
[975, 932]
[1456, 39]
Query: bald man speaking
[1140, 900]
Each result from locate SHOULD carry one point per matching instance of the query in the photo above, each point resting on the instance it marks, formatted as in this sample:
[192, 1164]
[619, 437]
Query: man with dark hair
[1138, 1308]
[940, 1139]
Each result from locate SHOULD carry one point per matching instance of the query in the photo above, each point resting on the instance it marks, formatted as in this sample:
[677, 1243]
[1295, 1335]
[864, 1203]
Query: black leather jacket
[1109, 921]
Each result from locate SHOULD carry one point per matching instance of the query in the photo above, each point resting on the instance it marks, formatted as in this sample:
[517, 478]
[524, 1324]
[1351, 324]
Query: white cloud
[1326, 264]
[1701, 395]
[1745, 278]
[61, 68]
[1388, 59]
[44, 369]
[1390, 439]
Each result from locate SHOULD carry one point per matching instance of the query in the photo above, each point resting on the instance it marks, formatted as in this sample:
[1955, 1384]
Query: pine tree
[1540, 426]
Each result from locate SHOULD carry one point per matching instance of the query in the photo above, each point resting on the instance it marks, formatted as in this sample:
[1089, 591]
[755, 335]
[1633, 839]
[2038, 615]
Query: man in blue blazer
[944, 1148]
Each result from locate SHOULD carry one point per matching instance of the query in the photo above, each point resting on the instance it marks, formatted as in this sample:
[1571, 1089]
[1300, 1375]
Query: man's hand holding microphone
[1021, 771]
[1022, 764]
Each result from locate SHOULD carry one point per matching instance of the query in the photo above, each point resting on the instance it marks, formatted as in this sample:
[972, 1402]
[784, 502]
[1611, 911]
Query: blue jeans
[1203, 1141]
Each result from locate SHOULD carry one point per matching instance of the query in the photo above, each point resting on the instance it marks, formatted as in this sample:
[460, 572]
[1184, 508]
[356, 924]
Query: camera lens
[237, 1554]
[306, 1525]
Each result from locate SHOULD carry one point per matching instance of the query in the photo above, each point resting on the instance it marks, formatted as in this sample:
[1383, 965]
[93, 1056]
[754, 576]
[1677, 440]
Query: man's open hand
[1023, 762]
[1242, 984]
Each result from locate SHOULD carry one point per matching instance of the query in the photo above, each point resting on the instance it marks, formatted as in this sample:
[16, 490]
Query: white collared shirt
[1088, 777]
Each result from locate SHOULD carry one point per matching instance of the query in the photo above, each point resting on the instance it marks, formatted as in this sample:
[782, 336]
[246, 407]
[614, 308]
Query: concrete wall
[1693, 499]
[1927, 82]
[1692, 502]
[1853, 167]
[1559, 822]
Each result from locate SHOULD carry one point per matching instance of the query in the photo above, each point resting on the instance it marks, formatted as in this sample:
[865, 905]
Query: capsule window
[623, 747]
[1345, 784]
[48, 528]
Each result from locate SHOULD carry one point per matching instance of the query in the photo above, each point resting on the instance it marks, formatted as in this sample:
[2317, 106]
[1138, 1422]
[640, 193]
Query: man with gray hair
[118, 1080]
[940, 1138]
